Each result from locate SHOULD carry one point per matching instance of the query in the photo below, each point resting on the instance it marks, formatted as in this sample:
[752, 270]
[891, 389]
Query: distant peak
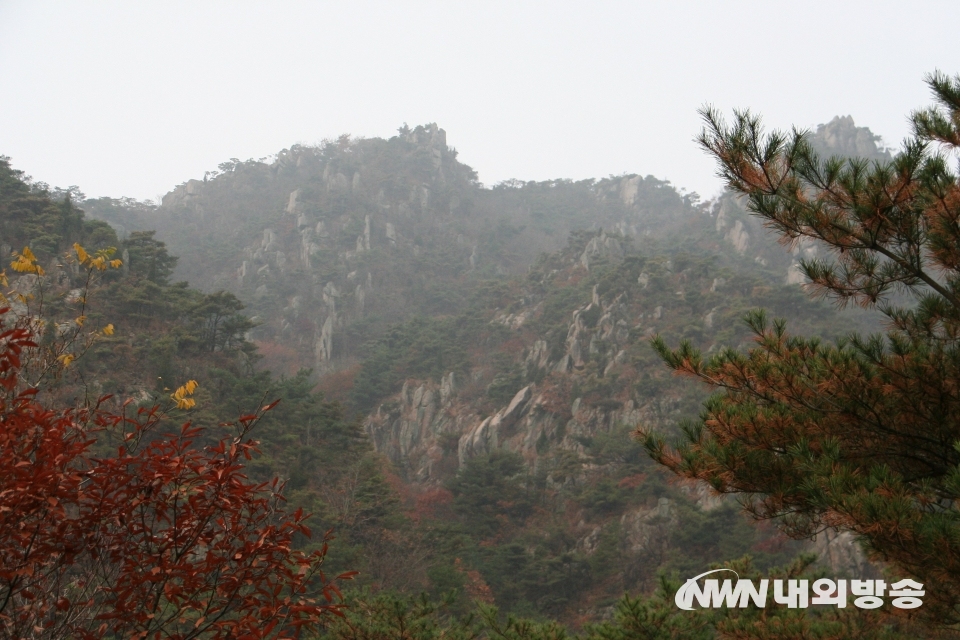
[842, 137]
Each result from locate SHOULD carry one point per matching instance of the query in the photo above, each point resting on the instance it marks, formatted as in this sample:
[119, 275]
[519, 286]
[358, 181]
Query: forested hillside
[461, 368]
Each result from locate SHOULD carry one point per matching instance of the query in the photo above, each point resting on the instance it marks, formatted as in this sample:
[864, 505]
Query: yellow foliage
[108, 330]
[102, 259]
[180, 395]
[26, 262]
[66, 359]
[3, 278]
[80, 320]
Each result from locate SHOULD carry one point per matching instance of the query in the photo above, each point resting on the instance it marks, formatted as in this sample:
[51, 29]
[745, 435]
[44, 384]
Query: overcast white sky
[132, 98]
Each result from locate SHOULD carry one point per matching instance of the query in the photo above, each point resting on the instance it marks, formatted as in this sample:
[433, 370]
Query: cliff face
[584, 374]
[429, 429]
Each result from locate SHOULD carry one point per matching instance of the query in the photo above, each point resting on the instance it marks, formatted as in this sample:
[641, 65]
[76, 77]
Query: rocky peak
[841, 137]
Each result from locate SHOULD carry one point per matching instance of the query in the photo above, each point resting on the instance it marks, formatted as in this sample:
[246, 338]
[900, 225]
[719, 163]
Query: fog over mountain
[126, 100]
[445, 239]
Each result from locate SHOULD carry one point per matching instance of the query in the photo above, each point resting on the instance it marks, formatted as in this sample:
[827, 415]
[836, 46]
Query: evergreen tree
[864, 434]
[148, 257]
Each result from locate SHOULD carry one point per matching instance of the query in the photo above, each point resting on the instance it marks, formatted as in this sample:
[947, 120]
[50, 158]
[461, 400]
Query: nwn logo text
[795, 594]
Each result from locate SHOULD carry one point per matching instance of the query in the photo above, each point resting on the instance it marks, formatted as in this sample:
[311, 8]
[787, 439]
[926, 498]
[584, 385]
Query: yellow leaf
[116, 264]
[66, 359]
[3, 278]
[22, 265]
[82, 255]
[108, 330]
[80, 320]
[26, 262]
[180, 395]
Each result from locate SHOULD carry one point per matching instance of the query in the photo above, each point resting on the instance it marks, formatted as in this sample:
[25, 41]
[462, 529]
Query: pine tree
[863, 434]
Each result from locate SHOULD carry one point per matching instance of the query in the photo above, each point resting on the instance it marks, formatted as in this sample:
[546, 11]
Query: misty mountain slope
[372, 232]
[330, 245]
